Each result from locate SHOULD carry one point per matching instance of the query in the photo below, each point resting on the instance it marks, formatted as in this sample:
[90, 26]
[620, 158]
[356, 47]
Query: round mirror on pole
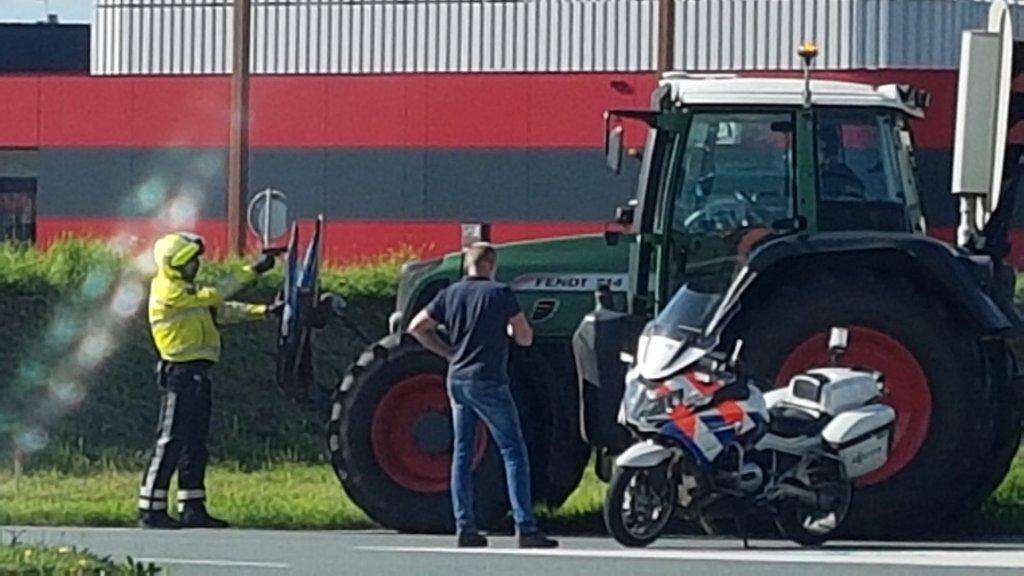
[268, 216]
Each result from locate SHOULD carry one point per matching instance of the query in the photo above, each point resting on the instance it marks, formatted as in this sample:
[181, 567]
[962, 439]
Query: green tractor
[811, 186]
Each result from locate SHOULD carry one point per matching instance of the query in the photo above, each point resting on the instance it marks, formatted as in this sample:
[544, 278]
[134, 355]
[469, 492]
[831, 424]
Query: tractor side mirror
[613, 149]
[624, 215]
[838, 342]
[268, 217]
[612, 236]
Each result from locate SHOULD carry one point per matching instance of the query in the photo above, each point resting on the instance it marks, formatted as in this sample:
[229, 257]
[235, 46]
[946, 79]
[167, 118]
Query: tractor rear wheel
[1006, 422]
[935, 379]
[390, 440]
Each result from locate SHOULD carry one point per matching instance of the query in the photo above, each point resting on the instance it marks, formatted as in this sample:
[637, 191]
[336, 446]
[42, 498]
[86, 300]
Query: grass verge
[308, 496]
[278, 496]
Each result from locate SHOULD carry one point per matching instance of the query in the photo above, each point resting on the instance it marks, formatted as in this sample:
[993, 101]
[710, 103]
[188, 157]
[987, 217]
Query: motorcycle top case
[861, 438]
[832, 390]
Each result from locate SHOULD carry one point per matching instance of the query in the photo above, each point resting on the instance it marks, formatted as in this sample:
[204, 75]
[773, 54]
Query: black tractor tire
[392, 505]
[547, 400]
[936, 482]
[384, 500]
[1007, 422]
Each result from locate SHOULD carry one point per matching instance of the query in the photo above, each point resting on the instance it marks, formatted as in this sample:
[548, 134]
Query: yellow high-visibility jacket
[183, 317]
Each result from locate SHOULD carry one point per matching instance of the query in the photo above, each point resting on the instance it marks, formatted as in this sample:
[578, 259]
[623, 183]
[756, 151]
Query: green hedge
[53, 301]
[35, 560]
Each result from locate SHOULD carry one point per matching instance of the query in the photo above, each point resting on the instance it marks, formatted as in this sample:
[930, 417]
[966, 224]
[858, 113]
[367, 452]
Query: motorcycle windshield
[687, 314]
[676, 338]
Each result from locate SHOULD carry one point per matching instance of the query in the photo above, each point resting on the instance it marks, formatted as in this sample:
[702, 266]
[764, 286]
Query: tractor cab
[732, 161]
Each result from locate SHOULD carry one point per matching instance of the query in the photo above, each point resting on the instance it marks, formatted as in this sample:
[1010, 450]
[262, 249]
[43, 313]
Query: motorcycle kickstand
[741, 530]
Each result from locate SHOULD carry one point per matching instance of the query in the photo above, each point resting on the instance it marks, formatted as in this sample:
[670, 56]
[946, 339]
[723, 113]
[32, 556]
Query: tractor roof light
[807, 51]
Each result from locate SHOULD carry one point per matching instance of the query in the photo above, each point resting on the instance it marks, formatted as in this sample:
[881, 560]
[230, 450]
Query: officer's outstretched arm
[180, 297]
[235, 312]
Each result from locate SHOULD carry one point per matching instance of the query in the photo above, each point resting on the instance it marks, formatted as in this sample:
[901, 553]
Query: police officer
[183, 319]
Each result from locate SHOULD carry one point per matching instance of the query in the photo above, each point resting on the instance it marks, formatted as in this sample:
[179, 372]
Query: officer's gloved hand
[265, 263]
[275, 308]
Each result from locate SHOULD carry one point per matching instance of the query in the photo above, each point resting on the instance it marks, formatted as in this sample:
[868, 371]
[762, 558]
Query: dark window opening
[18, 183]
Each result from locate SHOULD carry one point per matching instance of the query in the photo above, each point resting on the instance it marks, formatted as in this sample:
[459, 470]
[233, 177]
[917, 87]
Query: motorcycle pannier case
[861, 438]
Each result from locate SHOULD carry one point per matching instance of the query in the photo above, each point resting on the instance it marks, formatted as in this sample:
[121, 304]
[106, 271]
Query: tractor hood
[558, 270]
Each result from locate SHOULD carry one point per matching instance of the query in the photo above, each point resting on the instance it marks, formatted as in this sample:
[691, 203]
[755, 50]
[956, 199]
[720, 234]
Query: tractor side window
[735, 184]
[860, 185]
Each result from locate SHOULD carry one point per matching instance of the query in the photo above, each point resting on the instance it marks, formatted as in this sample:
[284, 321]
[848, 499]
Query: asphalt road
[259, 552]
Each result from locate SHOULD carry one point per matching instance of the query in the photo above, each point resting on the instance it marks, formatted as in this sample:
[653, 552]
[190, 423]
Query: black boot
[471, 540]
[536, 540]
[194, 515]
[157, 520]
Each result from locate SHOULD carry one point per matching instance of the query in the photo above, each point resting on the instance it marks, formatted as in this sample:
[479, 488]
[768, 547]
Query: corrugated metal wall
[389, 36]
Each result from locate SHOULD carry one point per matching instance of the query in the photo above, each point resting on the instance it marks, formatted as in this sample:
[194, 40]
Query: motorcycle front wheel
[639, 504]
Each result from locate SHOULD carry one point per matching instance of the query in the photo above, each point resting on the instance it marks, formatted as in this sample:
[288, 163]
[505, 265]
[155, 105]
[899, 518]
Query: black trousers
[182, 433]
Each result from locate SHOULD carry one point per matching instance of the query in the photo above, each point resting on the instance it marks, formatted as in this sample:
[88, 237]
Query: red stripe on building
[379, 111]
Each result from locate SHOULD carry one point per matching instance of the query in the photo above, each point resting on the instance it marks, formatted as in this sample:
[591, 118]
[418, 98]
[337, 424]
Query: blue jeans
[492, 402]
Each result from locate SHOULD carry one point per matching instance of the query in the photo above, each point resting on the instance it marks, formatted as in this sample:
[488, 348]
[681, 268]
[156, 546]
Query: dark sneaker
[157, 521]
[196, 517]
[472, 540]
[537, 540]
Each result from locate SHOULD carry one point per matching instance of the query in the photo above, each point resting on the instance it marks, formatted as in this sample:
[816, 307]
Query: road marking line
[946, 558]
[223, 563]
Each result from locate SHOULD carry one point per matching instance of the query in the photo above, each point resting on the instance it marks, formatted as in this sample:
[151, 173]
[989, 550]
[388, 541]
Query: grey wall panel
[83, 184]
[479, 183]
[376, 184]
[568, 183]
[381, 184]
[105, 183]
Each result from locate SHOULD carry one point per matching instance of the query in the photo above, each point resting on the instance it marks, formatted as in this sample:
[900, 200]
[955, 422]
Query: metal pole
[666, 35]
[238, 152]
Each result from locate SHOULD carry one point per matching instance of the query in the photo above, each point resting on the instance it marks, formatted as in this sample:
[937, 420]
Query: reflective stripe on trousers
[181, 441]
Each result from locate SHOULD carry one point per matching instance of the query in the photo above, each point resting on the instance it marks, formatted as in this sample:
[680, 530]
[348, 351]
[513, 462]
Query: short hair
[481, 253]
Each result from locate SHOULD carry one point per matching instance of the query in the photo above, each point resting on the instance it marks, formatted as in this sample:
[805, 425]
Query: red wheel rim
[411, 434]
[905, 382]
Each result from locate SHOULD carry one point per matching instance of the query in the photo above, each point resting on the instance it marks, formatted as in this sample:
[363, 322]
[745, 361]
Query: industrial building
[399, 119]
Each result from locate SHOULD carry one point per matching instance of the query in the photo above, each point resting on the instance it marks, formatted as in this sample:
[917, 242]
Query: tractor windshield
[733, 185]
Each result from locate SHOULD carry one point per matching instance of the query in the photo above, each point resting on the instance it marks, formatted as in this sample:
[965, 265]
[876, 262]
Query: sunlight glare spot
[32, 440]
[62, 331]
[127, 299]
[67, 393]
[93, 349]
[96, 283]
[182, 212]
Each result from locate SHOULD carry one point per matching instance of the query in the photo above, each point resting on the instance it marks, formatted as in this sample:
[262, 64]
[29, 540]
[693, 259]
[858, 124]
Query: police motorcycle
[711, 446]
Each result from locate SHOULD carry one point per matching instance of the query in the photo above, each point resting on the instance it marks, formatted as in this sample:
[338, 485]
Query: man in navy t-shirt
[480, 315]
